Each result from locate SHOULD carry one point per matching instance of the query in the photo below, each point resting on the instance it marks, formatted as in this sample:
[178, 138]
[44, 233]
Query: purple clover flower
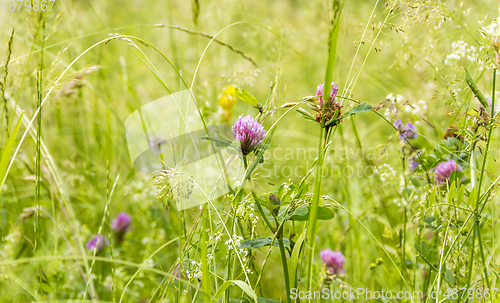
[444, 169]
[333, 92]
[334, 261]
[408, 131]
[98, 241]
[249, 133]
[121, 223]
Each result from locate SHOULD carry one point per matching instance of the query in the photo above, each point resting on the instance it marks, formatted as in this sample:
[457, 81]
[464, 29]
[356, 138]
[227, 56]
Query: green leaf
[4, 161]
[479, 95]
[295, 258]
[360, 108]
[244, 286]
[451, 192]
[205, 281]
[261, 242]
[448, 275]
[472, 197]
[460, 194]
[218, 142]
[306, 116]
[432, 199]
[246, 97]
[423, 249]
[302, 214]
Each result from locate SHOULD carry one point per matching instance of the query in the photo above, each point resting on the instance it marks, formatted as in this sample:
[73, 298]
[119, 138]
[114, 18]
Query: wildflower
[408, 131]
[462, 50]
[177, 273]
[275, 203]
[333, 93]
[227, 99]
[492, 30]
[328, 109]
[334, 261]
[444, 169]
[233, 242]
[96, 243]
[249, 133]
[413, 163]
[121, 223]
[385, 172]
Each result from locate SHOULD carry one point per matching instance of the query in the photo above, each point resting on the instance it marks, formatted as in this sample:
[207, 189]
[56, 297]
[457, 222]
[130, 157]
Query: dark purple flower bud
[333, 92]
[98, 241]
[444, 169]
[249, 133]
[275, 200]
[121, 223]
[334, 261]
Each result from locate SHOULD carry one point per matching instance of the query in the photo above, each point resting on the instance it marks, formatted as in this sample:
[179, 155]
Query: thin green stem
[285, 265]
[478, 228]
[279, 234]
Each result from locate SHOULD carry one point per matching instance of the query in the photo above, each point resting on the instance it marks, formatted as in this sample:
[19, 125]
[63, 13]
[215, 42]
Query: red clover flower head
[334, 261]
[121, 223]
[444, 169]
[98, 241]
[333, 93]
[249, 133]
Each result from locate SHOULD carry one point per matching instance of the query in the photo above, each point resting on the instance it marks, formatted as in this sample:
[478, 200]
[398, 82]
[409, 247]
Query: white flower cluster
[243, 252]
[217, 236]
[244, 255]
[140, 190]
[462, 50]
[392, 110]
[196, 273]
[386, 172]
[236, 240]
[245, 211]
[416, 108]
[394, 99]
[492, 30]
